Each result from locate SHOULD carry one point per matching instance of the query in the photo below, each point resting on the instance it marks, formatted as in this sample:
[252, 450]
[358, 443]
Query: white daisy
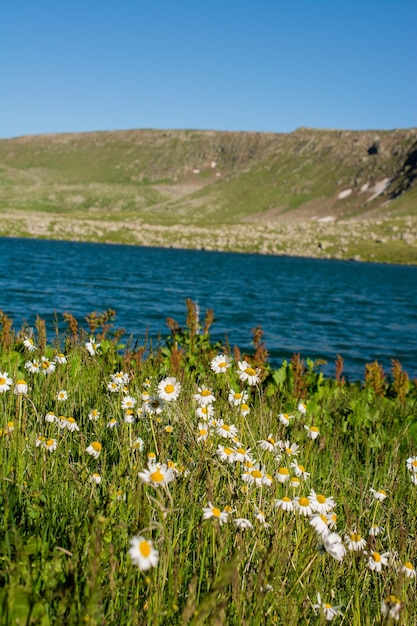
[237, 397]
[157, 474]
[5, 382]
[312, 432]
[379, 494]
[328, 611]
[212, 512]
[92, 346]
[220, 364]
[169, 389]
[204, 396]
[142, 553]
[20, 388]
[247, 373]
[391, 607]
[29, 344]
[94, 449]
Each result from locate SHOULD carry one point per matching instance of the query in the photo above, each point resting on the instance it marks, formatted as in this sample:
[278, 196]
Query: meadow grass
[228, 551]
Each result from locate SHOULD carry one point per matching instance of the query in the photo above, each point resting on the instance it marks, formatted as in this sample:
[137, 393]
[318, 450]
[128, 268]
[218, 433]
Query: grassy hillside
[113, 185]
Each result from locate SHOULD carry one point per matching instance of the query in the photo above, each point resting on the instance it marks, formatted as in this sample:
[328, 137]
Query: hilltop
[344, 194]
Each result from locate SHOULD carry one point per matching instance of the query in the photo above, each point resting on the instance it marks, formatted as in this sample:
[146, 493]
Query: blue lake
[319, 308]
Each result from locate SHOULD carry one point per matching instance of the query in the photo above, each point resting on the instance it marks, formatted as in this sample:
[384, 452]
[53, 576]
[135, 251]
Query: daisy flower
[50, 444]
[128, 402]
[40, 441]
[320, 503]
[94, 449]
[302, 505]
[332, 544]
[391, 607]
[142, 553]
[220, 364]
[355, 542]
[94, 415]
[376, 561]
[157, 474]
[60, 358]
[34, 366]
[112, 423]
[226, 454]
[282, 474]
[260, 517]
[253, 476]
[299, 470]
[284, 418]
[138, 444]
[62, 395]
[412, 464]
[71, 424]
[47, 366]
[327, 610]
[228, 431]
[331, 519]
[379, 494]
[242, 523]
[243, 454]
[244, 409]
[121, 378]
[5, 382]
[204, 396]
[408, 569]
[237, 397]
[92, 346]
[50, 417]
[155, 405]
[312, 432]
[302, 408]
[95, 478]
[294, 481]
[289, 449]
[247, 373]
[205, 412]
[169, 389]
[285, 503]
[129, 416]
[320, 524]
[375, 530]
[269, 444]
[211, 511]
[203, 432]
[20, 388]
[29, 344]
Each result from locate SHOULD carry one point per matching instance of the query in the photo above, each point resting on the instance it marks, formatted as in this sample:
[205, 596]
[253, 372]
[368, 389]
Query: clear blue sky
[257, 65]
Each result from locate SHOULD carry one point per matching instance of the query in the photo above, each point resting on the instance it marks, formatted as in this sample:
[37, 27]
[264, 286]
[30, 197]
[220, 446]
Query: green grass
[64, 541]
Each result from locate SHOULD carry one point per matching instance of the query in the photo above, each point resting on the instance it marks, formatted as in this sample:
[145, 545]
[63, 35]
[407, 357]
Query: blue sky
[254, 65]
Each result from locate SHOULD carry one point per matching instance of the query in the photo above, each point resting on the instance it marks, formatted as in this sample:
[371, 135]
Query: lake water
[319, 308]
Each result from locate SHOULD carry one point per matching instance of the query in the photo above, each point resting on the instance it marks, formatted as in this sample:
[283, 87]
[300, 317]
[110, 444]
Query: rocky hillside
[152, 179]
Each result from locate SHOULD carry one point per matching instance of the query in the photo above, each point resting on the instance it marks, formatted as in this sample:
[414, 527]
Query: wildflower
[269, 444]
[302, 408]
[121, 378]
[289, 449]
[260, 517]
[299, 470]
[60, 358]
[21, 387]
[225, 454]
[205, 412]
[294, 481]
[138, 444]
[285, 503]
[147, 382]
[282, 475]
[50, 417]
[408, 569]
[244, 409]
[204, 396]
[113, 386]
[157, 474]
[237, 397]
[320, 523]
[320, 503]
[169, 389]
[155, 405]
[203, 432]
[62, 395]
[112, 423]
[5, 382]
[228, 431]
[312, 432]
[40, 441]
[331, 519]
[302, 505]
[248, 374]
[220, 364]
[10, 427]
[61, 421]
[375, 530]
[94, 449]
[332, 544]
[242, 523]
[355, 542]
[95, 478]
[211, 511]
[391, 606]
[29, 344]
[129, 417]
[142, 553]
[51, 444]
[412, 463]
[120, 496]
[284, 418]
[376, 560]
[34, 366]
[169, 429]
[47, 366]
[253, 475]
[414, 478]
[92, 346]
[328, 611]
[71, 424]
[94, 415]
[242, 454]
[128, 402]
[379, 494]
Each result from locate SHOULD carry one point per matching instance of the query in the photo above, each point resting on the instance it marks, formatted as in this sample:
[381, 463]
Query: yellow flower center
[226, 427]
[288, 451]
[286, 499]
[414, 463]
[356, 538]
[71, 420]
[19, 382]
[257, 473]
[223, 364]
[203, 432]
[238, 396]
[205, 392]
[228, 451]
[376, 557]
[2, 381]
[327, 605]
[45, 364]
[157, 477]
[382, 492]
[303, 501]
[49, 442]
[408, 565]
[215, 511]
[96, 446]
[245, 407]
[271, 441]
[284, 471]
[145, 549]
[321, 499]
[169, 388]
[250, 371]
[314, 429]
[323, 518]
[240, 451]
[168, 429]
[204, 409]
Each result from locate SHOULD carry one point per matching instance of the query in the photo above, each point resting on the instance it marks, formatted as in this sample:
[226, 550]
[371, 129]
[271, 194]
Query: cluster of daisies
[267, 466]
